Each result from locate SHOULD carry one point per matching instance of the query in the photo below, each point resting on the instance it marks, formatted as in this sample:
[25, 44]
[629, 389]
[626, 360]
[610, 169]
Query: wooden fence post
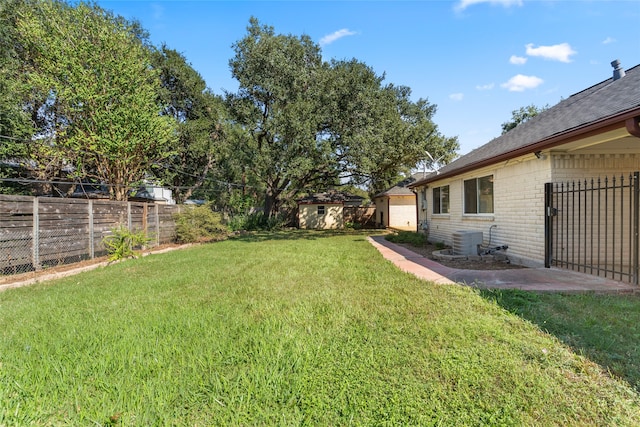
[35, 240]
[636, 227]
[145, 216]
[129, 216]
[92, 251]
[157, 213]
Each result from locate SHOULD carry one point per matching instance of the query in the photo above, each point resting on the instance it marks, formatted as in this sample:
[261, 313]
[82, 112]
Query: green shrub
[236, 223]
[199, 224]
[120, 244]
[277, 222]
[256, 221]
[350, 225]
[247, 222]
[408, 237]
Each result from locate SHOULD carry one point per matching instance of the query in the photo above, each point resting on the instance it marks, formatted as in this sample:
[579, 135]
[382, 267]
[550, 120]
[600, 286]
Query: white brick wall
[519, 199]
[605, 236]
[382, 210]
[518, 209]
[308, 217]
[585, 166]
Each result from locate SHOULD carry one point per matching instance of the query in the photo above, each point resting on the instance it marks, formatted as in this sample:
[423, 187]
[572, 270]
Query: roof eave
[628, 119]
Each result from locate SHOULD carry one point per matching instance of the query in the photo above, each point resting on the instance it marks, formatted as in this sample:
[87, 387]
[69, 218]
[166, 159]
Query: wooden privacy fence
[363, 215]
[37, 232]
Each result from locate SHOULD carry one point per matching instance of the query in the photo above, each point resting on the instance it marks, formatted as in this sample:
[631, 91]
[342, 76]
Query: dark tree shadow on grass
[295, 234]
[603, 328]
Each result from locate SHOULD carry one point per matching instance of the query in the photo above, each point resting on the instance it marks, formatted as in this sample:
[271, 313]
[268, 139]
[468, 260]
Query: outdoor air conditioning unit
[466, 242]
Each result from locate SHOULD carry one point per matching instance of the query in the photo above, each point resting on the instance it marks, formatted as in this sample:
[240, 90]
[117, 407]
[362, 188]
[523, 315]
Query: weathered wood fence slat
[36, 232]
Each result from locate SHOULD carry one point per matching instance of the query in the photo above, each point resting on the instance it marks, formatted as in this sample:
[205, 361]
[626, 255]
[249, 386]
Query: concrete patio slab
[530, 279]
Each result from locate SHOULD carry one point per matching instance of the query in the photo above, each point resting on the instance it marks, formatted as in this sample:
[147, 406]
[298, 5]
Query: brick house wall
[518, 188]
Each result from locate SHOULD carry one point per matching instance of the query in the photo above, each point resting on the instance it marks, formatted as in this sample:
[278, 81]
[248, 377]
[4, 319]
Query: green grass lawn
[604, 328]
[292, 328]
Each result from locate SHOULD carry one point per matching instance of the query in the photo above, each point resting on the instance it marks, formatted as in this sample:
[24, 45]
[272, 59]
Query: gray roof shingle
[402, 188]
[592, 105]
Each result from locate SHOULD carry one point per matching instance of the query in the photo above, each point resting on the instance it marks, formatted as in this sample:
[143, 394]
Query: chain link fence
[41, 232]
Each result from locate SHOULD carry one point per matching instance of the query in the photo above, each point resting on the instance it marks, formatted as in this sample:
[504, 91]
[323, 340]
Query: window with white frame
[320, 209]
[441, 200]
[478, 195]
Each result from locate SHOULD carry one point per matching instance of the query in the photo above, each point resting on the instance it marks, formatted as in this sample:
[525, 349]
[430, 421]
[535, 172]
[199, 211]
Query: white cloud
[485, 87]
[558, 52]
[456, 96]
[520, 83]
[609, 40]
[517, 60]
[158, 11]
[463, 4]
[330, 38]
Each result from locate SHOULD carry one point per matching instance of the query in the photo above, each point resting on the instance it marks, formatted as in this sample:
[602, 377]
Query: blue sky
[477, 60]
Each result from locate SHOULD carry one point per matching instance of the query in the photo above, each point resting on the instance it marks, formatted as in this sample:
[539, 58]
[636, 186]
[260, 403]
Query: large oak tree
[277, 106]
[521, 115]
[309, 124]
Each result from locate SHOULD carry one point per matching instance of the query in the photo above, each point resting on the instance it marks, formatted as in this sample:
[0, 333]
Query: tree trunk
[182, 196]
[270, 204]
[120, 193]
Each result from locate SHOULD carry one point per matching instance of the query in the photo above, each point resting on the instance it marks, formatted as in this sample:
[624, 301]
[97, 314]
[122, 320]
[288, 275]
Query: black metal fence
[592, 226]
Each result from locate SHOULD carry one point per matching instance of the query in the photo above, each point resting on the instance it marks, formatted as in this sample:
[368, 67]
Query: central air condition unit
[466, 242]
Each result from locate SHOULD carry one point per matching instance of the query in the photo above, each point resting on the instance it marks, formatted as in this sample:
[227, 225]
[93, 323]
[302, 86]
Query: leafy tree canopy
[308, 124]
[94, 99]
[201, 124]
[15, 125]
[86, 78]
[521, 115]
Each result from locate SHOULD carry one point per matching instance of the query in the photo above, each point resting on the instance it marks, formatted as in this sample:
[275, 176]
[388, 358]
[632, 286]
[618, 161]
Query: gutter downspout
[415, 195]
[388, 210]
[633, 126]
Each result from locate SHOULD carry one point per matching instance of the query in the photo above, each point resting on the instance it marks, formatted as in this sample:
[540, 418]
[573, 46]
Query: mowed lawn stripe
[289, 328]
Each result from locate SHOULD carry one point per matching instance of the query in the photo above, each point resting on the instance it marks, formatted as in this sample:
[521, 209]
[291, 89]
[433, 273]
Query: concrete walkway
[529, 279]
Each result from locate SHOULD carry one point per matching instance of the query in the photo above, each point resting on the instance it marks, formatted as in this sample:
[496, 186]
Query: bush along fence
[41, 232]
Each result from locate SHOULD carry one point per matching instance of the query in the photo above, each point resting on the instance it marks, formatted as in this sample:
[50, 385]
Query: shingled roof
[402, 188]
[610, 101]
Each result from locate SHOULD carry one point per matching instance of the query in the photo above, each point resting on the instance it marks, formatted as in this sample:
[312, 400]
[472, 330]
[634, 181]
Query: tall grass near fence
[296, 328]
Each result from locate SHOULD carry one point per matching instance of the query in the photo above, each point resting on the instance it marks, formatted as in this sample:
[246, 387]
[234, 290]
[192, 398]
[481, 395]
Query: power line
[177, 187]
[26, 181]
[15, 139]
[42, 181]
[217, 181]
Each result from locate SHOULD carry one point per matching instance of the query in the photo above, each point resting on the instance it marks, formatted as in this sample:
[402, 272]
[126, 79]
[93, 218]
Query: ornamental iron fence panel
[592, 226]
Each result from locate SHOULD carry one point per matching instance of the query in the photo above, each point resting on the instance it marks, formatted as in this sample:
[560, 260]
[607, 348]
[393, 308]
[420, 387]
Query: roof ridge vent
[618, 71]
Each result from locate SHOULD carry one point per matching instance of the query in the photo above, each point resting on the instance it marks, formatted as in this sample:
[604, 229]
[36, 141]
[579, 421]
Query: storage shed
[396, 206]
[325, 211]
